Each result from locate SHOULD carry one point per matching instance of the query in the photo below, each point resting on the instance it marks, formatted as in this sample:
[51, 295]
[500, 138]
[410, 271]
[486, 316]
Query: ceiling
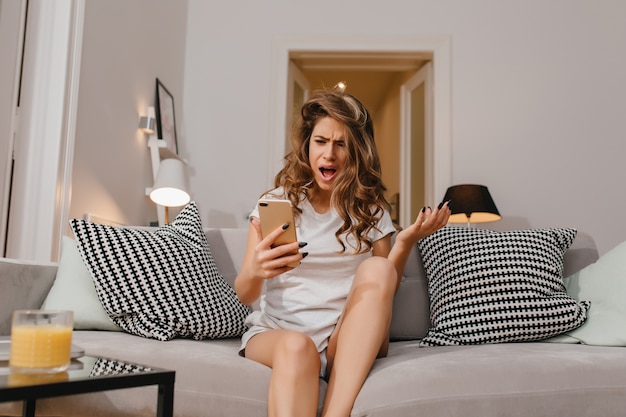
[368, 74]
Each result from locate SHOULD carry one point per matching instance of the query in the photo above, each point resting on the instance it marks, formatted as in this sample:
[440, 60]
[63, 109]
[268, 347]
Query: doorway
[375, 72]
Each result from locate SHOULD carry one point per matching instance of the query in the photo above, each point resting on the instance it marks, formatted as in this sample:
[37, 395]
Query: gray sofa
[511, 379]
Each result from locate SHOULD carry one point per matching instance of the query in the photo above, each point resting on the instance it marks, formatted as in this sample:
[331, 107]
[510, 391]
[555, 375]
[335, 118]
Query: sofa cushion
[512, 380]
[160, 284]
[410, 319]
[211, 379]
[495, 380]
[491, 287]
[73, 289]
[603, 283]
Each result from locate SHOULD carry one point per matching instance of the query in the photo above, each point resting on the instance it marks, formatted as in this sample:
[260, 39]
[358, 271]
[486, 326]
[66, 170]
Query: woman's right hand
[264, 261]
[271, 260]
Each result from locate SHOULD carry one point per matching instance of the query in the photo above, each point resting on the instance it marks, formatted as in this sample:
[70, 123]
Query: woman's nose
[329, 153]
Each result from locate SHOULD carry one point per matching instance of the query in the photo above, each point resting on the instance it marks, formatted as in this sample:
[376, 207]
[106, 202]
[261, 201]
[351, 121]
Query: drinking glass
[41, 341]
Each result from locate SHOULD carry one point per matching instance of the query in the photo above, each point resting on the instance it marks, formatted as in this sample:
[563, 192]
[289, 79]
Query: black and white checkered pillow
[161, 284]
[493, 287]
[112, 367]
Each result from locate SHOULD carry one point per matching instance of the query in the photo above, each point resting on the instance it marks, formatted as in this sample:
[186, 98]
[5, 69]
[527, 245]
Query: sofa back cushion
[583, 252]
[410, 311]
[411, 318]
[228, 247]
[23, 285]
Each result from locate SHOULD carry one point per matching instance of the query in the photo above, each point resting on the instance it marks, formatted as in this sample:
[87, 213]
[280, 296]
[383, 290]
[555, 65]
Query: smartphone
[274, 214]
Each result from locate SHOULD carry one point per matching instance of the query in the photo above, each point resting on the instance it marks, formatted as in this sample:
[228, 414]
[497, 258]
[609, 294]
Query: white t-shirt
[311, 297]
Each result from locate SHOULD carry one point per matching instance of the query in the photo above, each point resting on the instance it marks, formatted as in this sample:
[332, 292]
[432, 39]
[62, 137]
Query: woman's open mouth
[328, 173]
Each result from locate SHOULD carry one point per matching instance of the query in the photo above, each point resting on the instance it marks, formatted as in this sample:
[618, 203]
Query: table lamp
[471, 203]
[170, 185]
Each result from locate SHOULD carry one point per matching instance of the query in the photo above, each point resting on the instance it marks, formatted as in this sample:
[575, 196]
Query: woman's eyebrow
[326, 138]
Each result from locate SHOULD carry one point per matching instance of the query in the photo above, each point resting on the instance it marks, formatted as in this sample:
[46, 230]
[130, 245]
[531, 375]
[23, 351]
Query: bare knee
[377, 273]
[296, 353]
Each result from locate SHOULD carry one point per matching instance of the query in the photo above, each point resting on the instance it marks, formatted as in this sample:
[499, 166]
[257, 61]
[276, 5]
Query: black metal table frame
[31, 393]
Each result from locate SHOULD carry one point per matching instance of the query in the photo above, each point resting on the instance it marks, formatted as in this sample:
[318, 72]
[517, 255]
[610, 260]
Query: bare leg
[295, 363]
[361, 334]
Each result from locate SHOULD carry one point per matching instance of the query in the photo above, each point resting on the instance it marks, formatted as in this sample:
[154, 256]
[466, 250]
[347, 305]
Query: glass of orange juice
[41, 341]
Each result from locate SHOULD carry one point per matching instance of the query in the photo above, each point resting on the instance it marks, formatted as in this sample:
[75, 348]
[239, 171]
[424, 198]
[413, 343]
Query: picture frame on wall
[165, 117]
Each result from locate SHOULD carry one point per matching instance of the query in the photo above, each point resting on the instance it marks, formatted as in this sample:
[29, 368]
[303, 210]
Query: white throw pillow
[73, 289]
[604, 284]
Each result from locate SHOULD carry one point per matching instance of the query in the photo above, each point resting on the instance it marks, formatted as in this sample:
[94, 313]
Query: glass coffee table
[87, 374]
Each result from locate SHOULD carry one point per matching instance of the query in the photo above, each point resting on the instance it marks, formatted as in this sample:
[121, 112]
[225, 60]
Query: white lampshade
[148, 122]
[170, 187]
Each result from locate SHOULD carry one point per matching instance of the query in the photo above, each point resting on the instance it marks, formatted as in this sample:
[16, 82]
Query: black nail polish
[286, 225]
[423, 209]
[302, 244]
[305, 254]
[441, 205]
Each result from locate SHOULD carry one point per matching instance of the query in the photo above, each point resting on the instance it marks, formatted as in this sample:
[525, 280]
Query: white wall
[126, 45]
[537, 99]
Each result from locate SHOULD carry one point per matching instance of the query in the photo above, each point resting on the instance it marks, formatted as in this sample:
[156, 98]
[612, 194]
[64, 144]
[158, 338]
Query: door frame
[438, 46]
[12, 26]
[294, 77]
[44, 142]
[423, 76]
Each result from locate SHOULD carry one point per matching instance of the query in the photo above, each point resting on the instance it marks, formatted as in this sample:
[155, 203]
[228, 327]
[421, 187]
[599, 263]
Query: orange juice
[40, 341]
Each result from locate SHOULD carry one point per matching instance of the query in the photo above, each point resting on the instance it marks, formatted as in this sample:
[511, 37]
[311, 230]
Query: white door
[416, 145]
[12, 18]
[298, 89]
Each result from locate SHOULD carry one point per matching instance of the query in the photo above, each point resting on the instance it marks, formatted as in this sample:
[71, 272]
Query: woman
[330, 315]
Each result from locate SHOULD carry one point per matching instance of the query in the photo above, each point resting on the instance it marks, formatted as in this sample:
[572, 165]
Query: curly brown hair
[358, 195]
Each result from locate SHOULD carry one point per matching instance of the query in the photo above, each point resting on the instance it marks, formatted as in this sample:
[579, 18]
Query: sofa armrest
[23, 285]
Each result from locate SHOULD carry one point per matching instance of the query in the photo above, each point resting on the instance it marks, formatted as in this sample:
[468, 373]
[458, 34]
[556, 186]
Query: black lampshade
[471, 203]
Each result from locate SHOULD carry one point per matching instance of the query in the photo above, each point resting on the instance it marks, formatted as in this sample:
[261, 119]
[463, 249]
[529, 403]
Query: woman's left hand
[428, 221]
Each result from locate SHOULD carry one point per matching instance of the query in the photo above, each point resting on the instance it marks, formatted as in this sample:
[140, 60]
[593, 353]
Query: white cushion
[73, 289]
[604, 284]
